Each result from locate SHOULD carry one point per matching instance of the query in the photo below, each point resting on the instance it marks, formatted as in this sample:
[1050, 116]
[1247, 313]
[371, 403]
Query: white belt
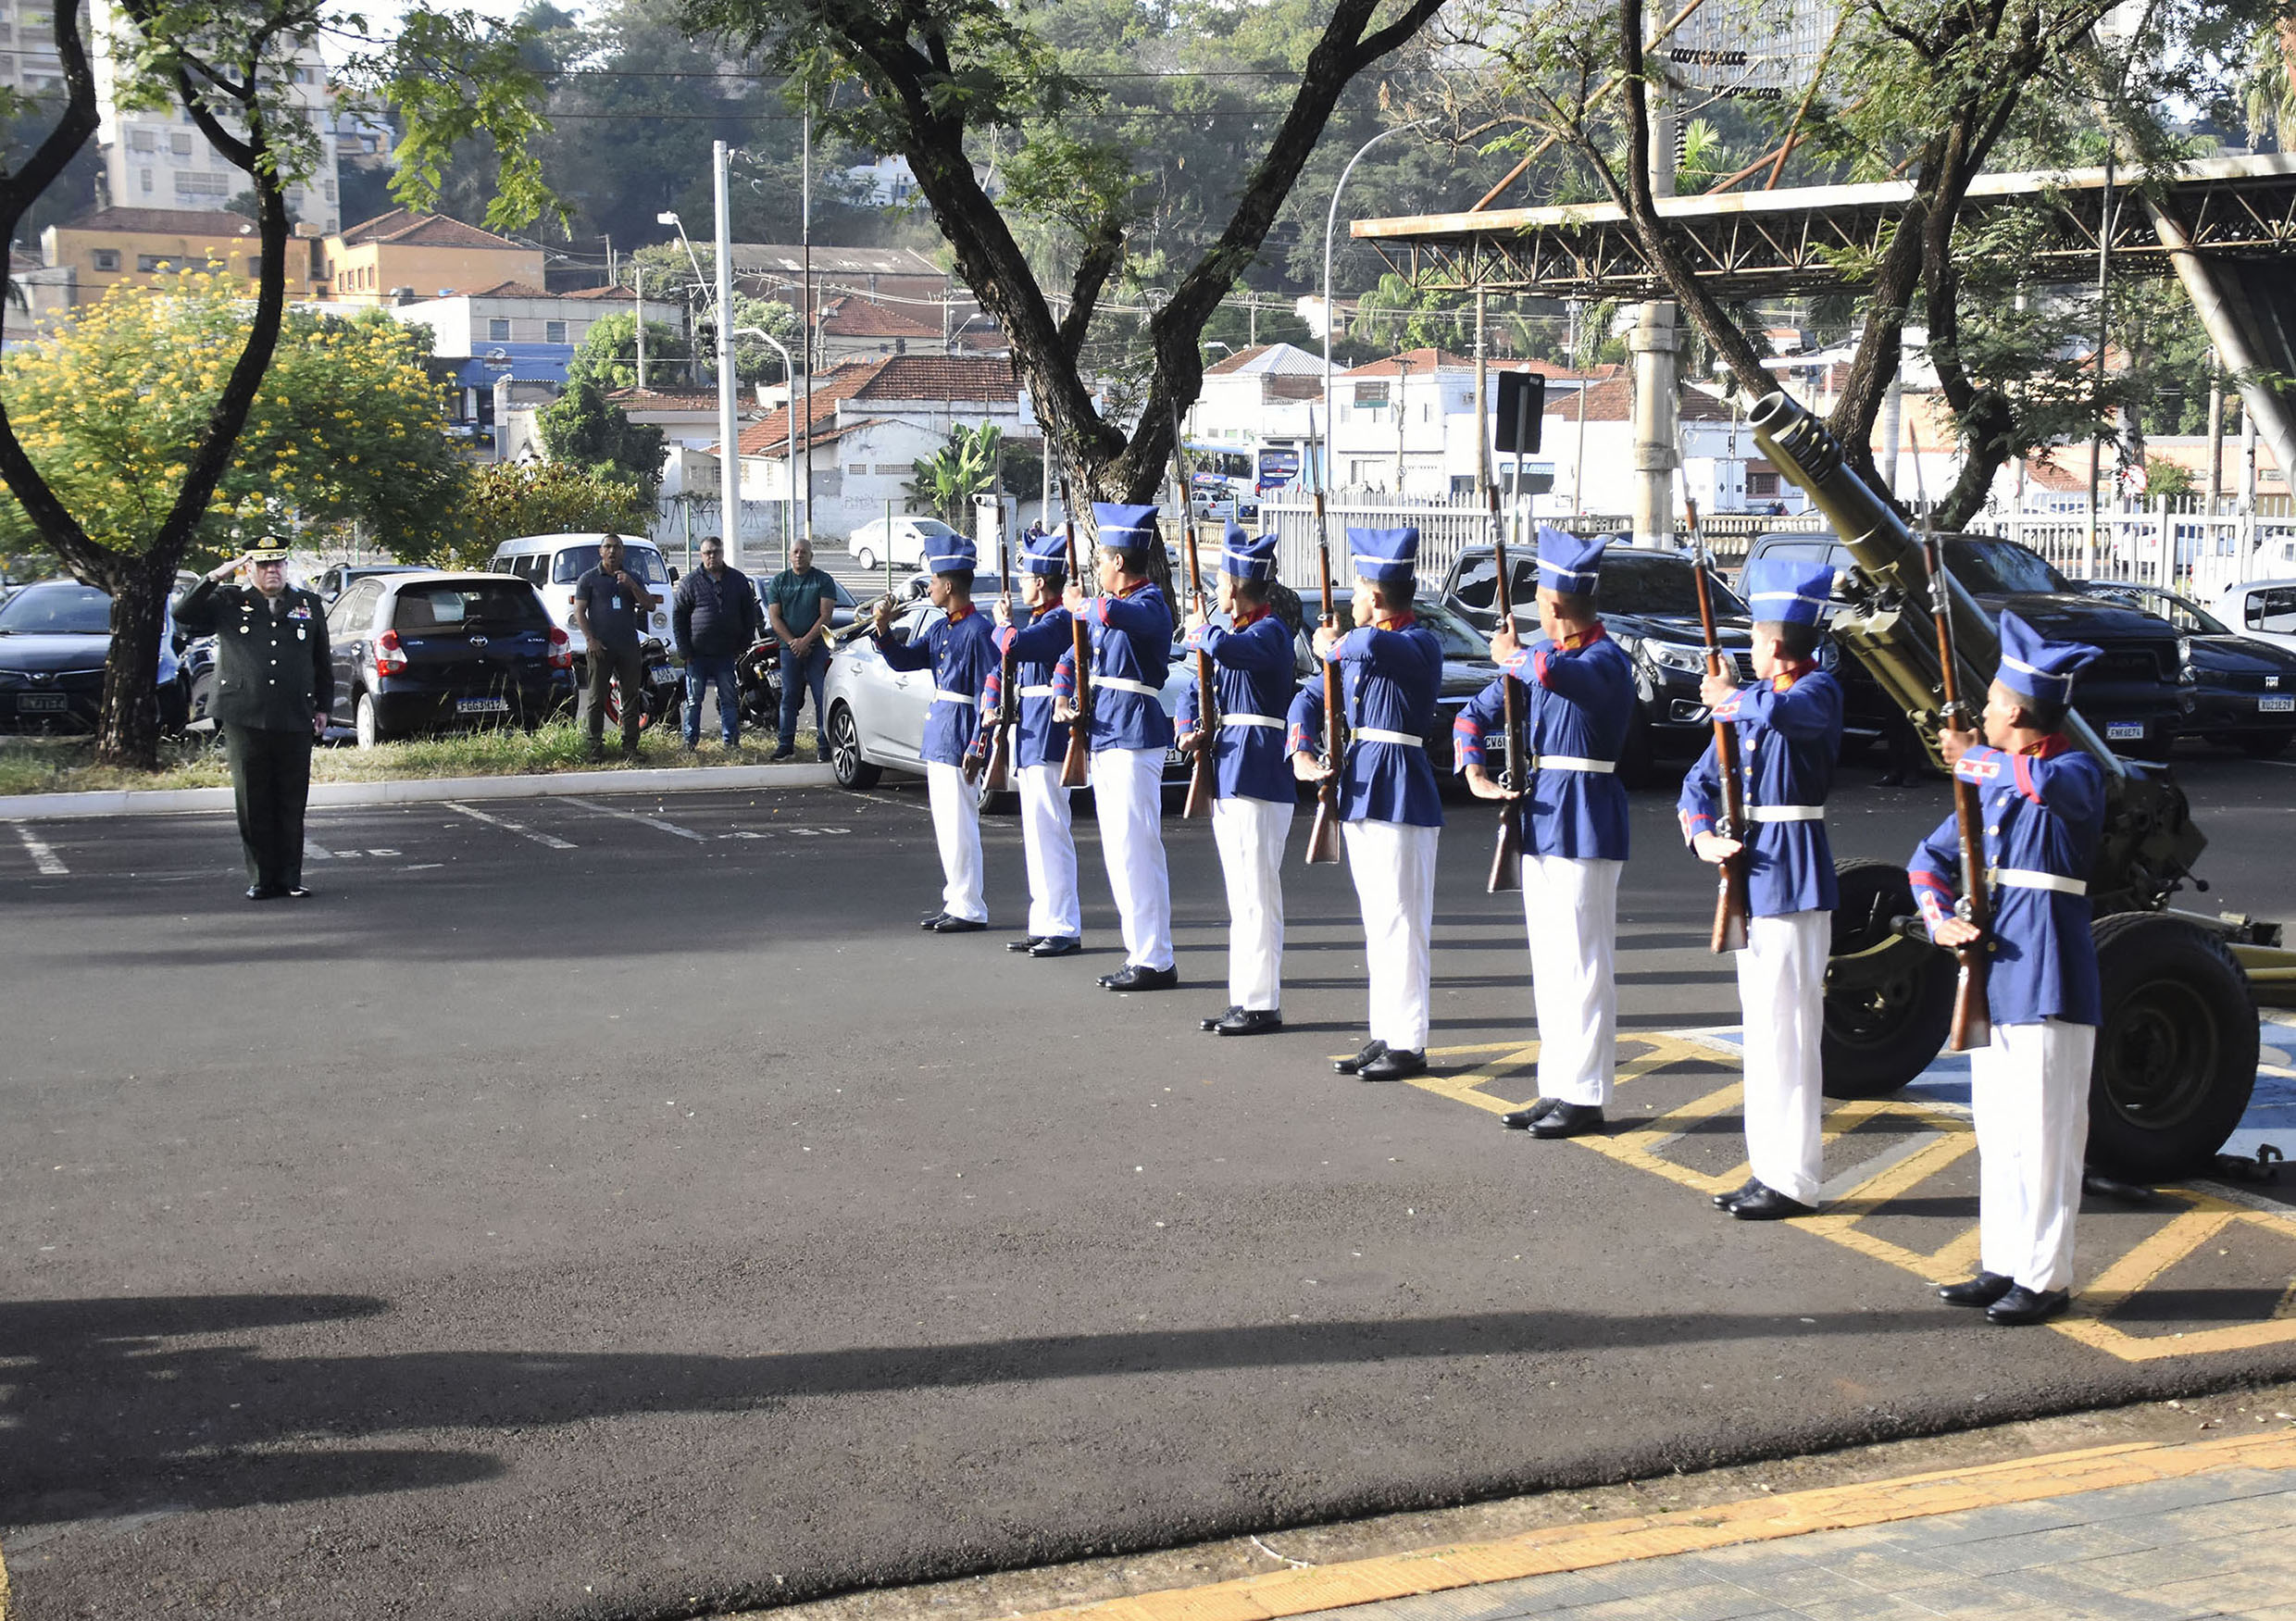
[945, 696]
[1119, 684]
[1573, 763]
[1373, 734]
[1045, 691]
[2019, 877]
[1234, 719]
[1785, 813]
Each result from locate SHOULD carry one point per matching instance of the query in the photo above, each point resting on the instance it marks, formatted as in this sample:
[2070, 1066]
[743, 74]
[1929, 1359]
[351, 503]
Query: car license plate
[41, 703]
[1171, 759]
[481, 705]
[2276, 706]
[2125, 732]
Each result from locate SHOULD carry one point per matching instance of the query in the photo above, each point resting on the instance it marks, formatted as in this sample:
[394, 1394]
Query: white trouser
[1394, 866]
[2029, 1091]
[956, 828]
[1128, 795]
[1781, 986]
[1571, 910]
[1250, 834]
[1050, 850]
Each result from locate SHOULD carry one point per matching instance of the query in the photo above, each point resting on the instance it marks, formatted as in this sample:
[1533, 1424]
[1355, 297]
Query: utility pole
[729, 422]
[1402, 381]
[2215, 428]
[2096, 433]
[1482, 402]
[804, 237]
[636, 277]
[1653, 344]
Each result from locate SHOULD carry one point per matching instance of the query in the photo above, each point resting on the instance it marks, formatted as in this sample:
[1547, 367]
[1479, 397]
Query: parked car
[55, 635]
[2243, 688]
[2133, 693]
[551, 564]
[441, 651]
[2265, 609]
[333, 581]
[900, 540]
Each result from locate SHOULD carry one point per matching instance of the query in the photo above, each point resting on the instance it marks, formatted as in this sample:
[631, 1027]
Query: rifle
[1199, 776]
[999, 754]
[1730, 905]
[1073, 766]
[1973, 1022]
[1506, 860]
[1323, 837]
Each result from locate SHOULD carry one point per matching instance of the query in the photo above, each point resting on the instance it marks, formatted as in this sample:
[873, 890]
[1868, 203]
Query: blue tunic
[1252, 674]
[1788, 733]
[2045, 811]
[960, 653]
[1037, 645]
[1389, 681]
[1132, 644]
[1578, 704]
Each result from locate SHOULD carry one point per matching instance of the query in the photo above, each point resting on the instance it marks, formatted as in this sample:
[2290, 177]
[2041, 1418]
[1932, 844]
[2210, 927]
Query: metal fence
[2174, 543]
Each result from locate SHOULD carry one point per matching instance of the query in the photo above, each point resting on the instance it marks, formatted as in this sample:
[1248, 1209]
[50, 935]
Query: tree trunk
[128, 730]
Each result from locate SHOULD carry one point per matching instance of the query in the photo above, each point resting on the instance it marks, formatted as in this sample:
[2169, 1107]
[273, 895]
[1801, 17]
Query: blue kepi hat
[1567, 562]
[1044, 554]
[1248, 556]
[1788, 591]
[1385, 556]
[950, 553]
[2035, 667]
[1125, 529]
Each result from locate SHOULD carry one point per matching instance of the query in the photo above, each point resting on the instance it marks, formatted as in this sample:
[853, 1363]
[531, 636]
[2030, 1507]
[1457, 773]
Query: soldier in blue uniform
[1253, 682]
[1047, 839]
[1578, 698]
[1131, 626]
[1788, 733]
[2045, 811]
[960, 652]
[1392, 669]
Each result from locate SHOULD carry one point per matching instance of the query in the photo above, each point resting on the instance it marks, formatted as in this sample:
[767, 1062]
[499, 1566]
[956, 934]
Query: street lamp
[1332, 219]
[789, 372]
[669, 216]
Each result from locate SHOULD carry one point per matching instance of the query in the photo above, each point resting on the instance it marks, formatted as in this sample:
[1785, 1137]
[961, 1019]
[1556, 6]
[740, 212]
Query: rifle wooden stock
[1973, 1020]
[1323, 834]
[1506, 856]
[1075, 766]
[1731, 905]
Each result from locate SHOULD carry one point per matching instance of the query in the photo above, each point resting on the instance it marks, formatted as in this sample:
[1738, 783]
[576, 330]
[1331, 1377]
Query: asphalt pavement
[615, 1206]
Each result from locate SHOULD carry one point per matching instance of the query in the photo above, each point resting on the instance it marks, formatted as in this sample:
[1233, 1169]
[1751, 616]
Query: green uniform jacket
[273, 671]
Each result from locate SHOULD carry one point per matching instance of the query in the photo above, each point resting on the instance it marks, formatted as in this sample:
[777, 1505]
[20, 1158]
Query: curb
[417, 790]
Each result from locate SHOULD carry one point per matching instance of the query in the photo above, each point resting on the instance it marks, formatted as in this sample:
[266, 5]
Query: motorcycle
[663, 695]
[758, 682]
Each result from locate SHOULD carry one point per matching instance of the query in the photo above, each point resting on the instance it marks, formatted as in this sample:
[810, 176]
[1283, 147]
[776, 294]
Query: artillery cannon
[2176, 1059]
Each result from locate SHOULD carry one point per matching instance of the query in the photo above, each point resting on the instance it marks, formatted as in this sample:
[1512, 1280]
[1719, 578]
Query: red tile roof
[633, 399]
[509, 290]
[844, 382]
[939, 377]
[1613, 401]
[183, 221]
[404, 227]
[777, 450]
[1421, 361]
[862, 317]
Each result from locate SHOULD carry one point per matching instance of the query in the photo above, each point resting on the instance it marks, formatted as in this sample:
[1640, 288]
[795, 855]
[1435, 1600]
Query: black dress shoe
[1056, 946]
[1768, 1204]
[1137, 976]
[1218, 1018]
[1028, 944]
[1351, 1066]
[945, 923]
[1568, 1120]
[296, 892]
[1524, 1120]
[2104, 1187]
[1724, 1201]
[2022, 1306]
[264, 891]
[1249, 1021]
[931, 921]
[1982, 1291]
[1395, 1063]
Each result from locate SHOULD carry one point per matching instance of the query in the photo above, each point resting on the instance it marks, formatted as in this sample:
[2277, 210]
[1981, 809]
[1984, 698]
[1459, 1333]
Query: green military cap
[267, 549]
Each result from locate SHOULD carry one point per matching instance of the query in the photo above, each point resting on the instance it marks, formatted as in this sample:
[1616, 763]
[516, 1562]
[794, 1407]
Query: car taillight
[389, 656]
[561, 650]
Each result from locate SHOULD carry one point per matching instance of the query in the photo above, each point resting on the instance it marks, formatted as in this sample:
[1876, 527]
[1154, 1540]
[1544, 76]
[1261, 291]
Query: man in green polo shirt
[798, 600]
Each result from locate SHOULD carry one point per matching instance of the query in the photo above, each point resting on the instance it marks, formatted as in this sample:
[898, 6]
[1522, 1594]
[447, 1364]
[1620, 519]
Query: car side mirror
[673, 574]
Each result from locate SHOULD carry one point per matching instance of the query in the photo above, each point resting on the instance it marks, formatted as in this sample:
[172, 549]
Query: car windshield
[63, 607]
[576, 561]
[931, 528]
[1656, 584]
[450, 605]
[2002, 569]
[2189, 618]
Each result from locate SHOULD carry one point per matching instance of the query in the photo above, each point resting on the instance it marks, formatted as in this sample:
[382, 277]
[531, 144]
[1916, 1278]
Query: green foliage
[2165, 478]
[504, 500]
[608, 353]
[589, 432]
[945, 483]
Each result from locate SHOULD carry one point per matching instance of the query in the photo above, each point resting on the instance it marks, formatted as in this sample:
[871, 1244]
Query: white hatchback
[2263, 608]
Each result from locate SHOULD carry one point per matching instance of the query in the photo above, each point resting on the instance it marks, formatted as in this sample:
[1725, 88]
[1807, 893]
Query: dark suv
[1649, 601]
[2134, 693]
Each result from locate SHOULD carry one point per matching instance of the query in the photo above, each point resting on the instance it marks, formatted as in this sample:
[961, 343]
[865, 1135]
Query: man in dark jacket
[714, 616]
[275, 682]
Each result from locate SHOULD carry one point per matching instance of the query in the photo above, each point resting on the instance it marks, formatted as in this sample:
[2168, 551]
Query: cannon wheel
[2176, 1054]
[1882, 1032]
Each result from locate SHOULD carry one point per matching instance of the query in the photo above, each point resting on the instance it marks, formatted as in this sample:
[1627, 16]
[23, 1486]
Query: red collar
[957, 619]
[1579, 639]
[1783, 682]
[1402, 621]
[1129, 590]
[1245, 621]
[2056, 743]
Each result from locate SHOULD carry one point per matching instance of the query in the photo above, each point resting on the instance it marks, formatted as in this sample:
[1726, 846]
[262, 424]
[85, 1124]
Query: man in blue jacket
[960, 652]
[1578, 698]
[1047, 838]
[1255, 792]
[1788, 733]
[1390, 672]
[2045, 811]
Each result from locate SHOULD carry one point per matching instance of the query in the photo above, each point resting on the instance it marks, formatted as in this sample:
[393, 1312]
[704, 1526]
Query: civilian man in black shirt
[610, 604]
[715, 616]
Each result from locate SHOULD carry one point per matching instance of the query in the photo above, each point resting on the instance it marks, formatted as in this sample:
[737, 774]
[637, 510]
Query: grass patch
[67, 765]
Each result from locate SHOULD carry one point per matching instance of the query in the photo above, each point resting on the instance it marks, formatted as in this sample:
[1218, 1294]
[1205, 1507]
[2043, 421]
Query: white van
[553, 563]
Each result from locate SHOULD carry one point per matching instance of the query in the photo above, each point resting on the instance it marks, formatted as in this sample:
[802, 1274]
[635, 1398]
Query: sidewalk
[2118, 1533]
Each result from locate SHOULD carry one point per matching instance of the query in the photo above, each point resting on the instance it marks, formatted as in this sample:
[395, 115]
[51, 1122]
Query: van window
[573, 562]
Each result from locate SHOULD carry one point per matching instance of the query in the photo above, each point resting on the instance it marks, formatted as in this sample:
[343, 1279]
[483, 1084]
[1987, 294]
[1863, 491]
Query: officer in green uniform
[275, 682]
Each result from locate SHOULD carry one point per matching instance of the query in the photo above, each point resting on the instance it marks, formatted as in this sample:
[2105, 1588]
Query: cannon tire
[2176, 1054]
[1877, 1040]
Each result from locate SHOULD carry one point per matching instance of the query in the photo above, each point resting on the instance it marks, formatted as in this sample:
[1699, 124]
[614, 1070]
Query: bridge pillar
[1653, 344]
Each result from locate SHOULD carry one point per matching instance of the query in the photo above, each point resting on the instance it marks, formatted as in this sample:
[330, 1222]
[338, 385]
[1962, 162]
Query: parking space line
[507, 826]
[50, 863]
[656, 822]
[315, 851]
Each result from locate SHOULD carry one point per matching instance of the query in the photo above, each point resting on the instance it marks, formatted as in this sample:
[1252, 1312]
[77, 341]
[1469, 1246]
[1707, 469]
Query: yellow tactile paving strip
[2192, 1218]
[1561, 1548]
